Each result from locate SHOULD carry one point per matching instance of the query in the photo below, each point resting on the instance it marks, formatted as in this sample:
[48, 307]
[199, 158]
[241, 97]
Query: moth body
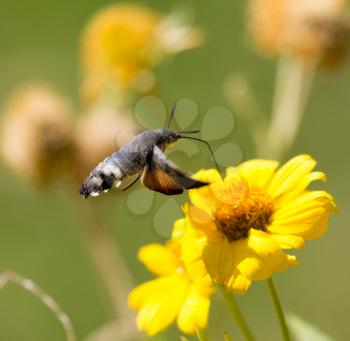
[143, 156]
[131, 159]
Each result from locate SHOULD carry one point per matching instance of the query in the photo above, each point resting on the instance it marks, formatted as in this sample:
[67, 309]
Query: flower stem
[109, 265]
[200, 334]
[293, 84]
[278, 308]
[236, 313]
[108, 262]
[227, 337]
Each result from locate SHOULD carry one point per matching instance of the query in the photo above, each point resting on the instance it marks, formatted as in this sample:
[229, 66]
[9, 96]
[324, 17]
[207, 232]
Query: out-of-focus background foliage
[38, 235]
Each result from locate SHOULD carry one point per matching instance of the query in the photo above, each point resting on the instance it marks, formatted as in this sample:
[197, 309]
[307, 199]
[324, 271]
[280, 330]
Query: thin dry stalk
[30, 286]
[110, 267]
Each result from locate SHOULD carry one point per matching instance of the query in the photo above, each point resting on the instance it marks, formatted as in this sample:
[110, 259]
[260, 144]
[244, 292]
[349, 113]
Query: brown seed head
[36, 139]
[241, 208]
[312, 31]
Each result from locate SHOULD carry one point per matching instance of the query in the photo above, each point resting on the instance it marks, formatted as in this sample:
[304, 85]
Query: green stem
[236, 313]
[110, 267]
[200, 334]
[227, 337]
[279, 311]
[293, 85]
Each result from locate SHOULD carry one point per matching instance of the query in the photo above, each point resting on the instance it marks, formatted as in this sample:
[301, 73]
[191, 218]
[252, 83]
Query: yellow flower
[172, 296]
[237, 227]
[119, 42]
[312, 31]
[123, 43]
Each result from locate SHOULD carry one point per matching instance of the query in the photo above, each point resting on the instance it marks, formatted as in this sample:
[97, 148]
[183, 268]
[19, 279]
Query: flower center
[240, 209]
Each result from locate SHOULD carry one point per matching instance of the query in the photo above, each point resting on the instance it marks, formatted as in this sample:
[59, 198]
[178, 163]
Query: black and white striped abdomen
[107, 174]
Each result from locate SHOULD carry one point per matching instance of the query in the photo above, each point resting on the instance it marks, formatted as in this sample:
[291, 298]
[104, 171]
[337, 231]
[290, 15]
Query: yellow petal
[258, 264]
[257, 172]
[191, 242]
[258, 256]
[208, 175]
[267, 250]
[203, 197]
[288, 241]
[148, 291]
[302, 204]
[290, 175]
[218, 259]
[179, 229]
[195, 309]
[159, 259]
[192, 247]
[306, 216]
[239, 284]
[201, 220]
[231, 171]
[160, 309]
[255, 258]
[318, 230]
[251, 266]
[300, 187]
[292, 260]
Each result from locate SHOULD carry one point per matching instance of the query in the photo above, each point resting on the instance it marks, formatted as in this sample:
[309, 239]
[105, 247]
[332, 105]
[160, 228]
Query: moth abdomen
[106, 175]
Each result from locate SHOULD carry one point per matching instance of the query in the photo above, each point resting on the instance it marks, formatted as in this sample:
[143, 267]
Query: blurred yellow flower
[312, 31]
[37, 133]
[237, 227]
[123, 43]
[172, 296]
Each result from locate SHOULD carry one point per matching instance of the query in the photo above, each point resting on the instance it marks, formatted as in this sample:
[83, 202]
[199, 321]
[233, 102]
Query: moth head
[167, 137]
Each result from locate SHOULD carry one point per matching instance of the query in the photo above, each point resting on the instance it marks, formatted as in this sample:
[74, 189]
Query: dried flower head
[123, 43]
[236, 229]
[99, 133]
[36, 139]
[312, 31]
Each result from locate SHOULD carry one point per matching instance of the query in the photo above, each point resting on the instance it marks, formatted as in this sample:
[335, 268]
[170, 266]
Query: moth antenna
[172, 113]
[188, 132]
[208, 145]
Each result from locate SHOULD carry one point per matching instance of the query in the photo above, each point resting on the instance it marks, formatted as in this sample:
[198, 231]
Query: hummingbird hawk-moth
[143, 156]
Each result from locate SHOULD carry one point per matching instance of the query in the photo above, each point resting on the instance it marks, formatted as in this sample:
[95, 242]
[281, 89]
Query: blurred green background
[38, 235]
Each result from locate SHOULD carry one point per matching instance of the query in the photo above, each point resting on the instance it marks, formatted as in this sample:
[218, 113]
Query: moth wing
[154, 177]
[158, 181]
[162, 175]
